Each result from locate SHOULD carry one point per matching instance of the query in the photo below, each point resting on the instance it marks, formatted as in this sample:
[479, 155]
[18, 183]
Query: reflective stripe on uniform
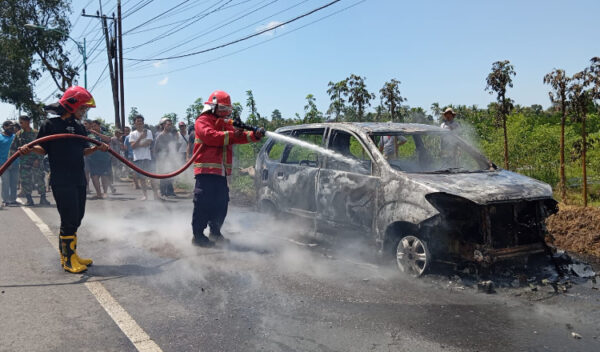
[226, 140]
[197, 140]
[208, 165]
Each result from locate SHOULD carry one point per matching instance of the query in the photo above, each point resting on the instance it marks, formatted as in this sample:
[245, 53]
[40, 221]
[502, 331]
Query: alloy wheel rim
[412, 256]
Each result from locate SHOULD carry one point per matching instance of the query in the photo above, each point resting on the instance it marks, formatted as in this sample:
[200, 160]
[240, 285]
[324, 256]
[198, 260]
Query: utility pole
[120, 44]
[111, 69]
[113, 51]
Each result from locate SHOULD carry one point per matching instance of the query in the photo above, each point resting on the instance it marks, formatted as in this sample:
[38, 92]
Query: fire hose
[234, 122]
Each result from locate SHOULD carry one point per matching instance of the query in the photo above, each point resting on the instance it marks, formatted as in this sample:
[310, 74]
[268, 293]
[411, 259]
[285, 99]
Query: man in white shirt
[141, 141]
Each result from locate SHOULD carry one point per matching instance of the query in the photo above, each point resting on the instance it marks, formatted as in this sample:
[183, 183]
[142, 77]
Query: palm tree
[581, 99]
[559, 81]
[337, 91]
[359, 96]
[391, 98]
[497, 81]
[436, 110]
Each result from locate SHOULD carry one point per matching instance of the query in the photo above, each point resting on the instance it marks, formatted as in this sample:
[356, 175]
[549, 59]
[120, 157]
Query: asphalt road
[276, 288]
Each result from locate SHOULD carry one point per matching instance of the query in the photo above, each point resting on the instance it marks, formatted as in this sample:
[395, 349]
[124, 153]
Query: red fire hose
[115, 154]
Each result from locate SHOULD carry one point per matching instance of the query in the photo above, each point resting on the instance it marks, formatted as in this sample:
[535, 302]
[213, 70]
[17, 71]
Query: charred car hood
[486, 187]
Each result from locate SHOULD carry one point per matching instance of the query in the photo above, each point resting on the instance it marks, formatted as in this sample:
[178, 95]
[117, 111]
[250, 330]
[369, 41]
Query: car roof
[369, 127]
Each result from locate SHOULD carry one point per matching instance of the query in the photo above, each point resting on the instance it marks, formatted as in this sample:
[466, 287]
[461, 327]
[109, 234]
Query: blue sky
[441, 51]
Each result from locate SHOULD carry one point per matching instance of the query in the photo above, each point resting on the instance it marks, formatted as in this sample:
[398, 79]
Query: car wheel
[268, 209]
[412, 256]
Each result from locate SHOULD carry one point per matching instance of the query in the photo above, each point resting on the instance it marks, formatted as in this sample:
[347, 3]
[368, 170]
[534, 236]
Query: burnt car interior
[350, 147]
[428, 152]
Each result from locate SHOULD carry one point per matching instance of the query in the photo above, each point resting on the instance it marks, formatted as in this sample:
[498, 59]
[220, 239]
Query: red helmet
[75, 97]
[220, 102]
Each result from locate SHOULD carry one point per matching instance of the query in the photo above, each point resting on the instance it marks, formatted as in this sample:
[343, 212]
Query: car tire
[269, 209]
[412, 255]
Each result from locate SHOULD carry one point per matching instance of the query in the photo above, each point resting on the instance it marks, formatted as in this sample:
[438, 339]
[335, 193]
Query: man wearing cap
[449, 122]
[10, 177]
[31, 172]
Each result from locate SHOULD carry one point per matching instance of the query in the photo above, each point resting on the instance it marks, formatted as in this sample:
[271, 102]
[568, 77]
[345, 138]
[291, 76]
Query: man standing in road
[67, 177]
[141, 141]
[10, 177]
[31, 172]
[165, 148]
[214, 140]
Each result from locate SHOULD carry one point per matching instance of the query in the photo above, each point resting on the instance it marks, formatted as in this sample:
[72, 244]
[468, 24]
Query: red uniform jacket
[214, 139]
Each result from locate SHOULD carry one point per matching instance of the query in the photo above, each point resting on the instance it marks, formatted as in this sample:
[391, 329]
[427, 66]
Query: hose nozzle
[240, 124]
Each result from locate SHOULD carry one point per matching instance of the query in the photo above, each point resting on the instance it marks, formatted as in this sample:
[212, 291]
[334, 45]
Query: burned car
[434, 197]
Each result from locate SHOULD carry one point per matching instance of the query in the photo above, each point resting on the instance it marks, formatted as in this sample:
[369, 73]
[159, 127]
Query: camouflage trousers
[30, 177]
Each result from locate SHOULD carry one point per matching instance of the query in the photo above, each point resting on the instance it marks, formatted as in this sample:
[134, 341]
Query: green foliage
[171, 116]
[193, 111]
[132, 114]
[23, 46]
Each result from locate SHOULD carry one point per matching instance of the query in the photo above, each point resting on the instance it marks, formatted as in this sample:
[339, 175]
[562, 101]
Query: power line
[157, 16]
[134, 10]
[139, 68]
[242, 14]
[241, 39]
[99, 77]
[230, 33]
[181, 27]
[253, 45]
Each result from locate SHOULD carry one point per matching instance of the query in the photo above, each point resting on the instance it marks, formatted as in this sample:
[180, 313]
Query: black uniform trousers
[70, 202]
[211, 198]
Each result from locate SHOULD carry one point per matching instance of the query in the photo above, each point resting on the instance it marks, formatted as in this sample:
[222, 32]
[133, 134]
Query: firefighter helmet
[75, 97]
[220, 103]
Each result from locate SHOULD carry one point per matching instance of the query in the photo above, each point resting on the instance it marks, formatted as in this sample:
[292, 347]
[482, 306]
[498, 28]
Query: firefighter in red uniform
[214, 139]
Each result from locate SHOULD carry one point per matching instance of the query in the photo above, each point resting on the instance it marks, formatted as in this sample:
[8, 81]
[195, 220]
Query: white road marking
[119, 315]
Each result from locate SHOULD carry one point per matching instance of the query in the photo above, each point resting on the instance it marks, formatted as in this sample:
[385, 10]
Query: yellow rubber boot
[84, 261]
[67, 249]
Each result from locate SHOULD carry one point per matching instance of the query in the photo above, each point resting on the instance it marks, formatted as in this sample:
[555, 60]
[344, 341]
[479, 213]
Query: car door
[295, 176]
[346, 186]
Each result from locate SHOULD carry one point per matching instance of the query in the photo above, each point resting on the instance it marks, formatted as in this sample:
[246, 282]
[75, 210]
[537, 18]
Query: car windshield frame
[483, 163]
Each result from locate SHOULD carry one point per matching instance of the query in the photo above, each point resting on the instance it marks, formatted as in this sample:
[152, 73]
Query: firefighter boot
[70, 260]
[43, 200]
[84, 261]
[29, 200]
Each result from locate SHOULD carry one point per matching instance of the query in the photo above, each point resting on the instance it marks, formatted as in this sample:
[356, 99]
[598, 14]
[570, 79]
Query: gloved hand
[259, 133]
[238, 132]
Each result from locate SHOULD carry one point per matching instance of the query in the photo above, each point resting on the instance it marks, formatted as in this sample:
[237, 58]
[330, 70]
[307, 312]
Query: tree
[311, 113]
[193, 111]
[253, 117]
[237, 110]
[436, 110]
[497, 81]
[171, 116]
[276, 119]
[19, 70]
[582, 92]
[559, 82]
[337, 91]
[391, 98]
[358, 95]
[132, 114]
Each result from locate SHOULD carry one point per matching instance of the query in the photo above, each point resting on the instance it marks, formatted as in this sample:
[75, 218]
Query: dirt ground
[576, 230]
